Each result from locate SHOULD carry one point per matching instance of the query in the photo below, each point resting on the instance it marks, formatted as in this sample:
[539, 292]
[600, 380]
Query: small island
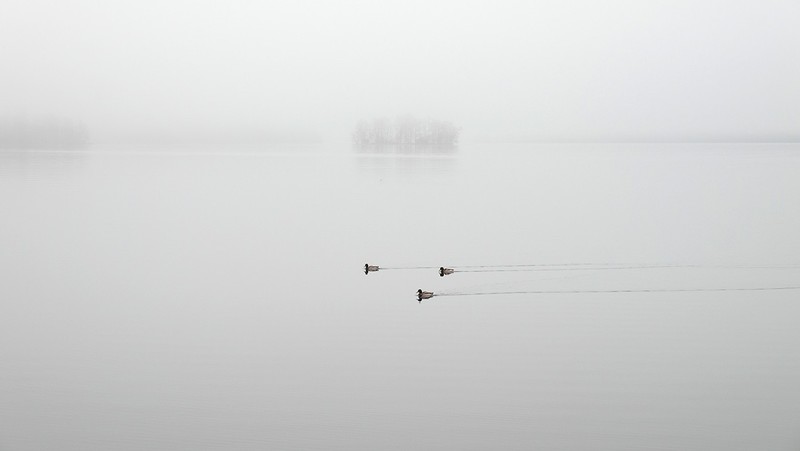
[405, 131]
[22, 133]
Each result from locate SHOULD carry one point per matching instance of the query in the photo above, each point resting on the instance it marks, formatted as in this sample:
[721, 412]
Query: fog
[195, 279]
[181, 71]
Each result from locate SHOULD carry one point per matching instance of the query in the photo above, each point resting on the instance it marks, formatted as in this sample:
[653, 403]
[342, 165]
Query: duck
[445, 271]
[370, 268]
[423, 295]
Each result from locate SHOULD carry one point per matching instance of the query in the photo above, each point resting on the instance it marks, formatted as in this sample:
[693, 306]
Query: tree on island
[405, 131]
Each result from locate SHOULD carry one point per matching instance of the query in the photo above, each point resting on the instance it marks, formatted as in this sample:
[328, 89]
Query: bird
[423, 295]
[370, 268]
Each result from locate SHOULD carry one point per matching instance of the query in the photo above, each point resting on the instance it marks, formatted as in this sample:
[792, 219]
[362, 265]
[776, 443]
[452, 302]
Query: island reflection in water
[403, 159]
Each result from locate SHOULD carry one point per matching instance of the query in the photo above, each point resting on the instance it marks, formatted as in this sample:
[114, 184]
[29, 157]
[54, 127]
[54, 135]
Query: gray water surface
[216, 300]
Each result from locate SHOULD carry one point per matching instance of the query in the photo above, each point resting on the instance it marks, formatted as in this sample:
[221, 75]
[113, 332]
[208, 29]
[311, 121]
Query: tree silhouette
[405, 131]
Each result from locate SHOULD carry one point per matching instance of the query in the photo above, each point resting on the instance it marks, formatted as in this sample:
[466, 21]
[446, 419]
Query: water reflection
[405, 159]
[406, 149]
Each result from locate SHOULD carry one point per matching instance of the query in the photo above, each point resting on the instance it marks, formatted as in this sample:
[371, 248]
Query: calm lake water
[217, 300]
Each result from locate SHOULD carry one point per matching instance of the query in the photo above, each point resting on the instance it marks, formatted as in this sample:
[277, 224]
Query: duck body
[370, 268]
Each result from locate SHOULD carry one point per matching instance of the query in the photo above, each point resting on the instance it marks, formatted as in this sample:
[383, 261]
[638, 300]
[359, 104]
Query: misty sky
[502, 70]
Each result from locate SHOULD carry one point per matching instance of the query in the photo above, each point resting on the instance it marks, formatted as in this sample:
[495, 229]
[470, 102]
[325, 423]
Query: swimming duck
[370, 268]
[445, 271]
[424, 295]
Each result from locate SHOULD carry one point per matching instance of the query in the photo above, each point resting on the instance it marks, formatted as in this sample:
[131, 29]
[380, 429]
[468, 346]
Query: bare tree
[405, 131]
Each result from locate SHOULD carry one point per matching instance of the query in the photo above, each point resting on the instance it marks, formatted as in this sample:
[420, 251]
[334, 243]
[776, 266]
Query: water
[216, 300]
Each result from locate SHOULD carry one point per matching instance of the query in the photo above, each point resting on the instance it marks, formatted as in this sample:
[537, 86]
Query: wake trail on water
[547, 267]
[645, 290]
[612, 267]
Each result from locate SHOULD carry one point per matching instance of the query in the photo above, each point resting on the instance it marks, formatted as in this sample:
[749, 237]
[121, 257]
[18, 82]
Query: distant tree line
[405, 131]
[50, 133]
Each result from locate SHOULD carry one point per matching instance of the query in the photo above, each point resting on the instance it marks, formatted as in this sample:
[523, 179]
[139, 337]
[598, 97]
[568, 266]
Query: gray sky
[503, 70]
